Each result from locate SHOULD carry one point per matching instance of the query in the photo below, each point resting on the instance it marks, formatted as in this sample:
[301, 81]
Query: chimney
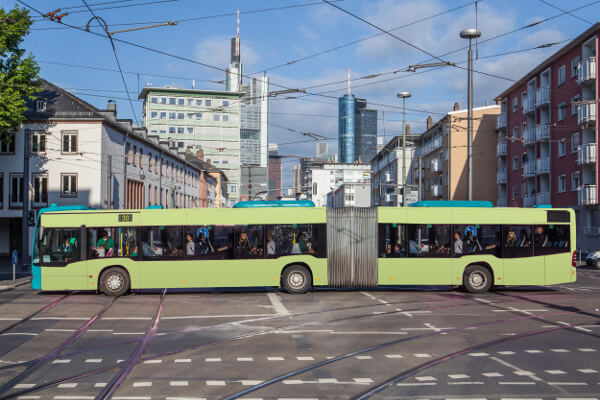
[112, 106]
[407, 129]
[200, 155]
[429, 122]
[456, 106]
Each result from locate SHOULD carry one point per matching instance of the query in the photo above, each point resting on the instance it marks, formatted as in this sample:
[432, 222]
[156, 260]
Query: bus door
[60, 259]
[429, 255]
[520, 265]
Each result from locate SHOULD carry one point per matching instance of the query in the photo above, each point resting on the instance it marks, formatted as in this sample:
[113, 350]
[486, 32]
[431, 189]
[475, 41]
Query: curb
[20, 282]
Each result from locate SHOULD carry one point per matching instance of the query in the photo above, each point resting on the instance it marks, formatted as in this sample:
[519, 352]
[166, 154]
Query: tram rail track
[32, 315]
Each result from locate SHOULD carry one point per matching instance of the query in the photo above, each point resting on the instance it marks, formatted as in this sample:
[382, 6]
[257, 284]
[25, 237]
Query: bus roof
[274, 203]
[452, 203]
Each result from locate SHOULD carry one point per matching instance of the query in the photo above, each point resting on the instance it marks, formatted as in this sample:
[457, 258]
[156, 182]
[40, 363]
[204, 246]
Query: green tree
[18, 72]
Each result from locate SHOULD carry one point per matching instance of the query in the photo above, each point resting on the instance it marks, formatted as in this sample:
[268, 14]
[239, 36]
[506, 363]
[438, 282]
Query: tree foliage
[18, 71]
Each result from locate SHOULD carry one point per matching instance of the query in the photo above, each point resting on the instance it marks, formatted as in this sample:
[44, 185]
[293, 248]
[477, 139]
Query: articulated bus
[297, 246]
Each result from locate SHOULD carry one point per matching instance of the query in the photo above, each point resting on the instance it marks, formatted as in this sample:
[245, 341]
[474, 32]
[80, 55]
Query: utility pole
[420, 183]
[403, 96]
[25, 219]
[470, 34]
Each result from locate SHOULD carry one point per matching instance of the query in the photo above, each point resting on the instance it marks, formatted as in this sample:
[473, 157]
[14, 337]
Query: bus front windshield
[57, 246]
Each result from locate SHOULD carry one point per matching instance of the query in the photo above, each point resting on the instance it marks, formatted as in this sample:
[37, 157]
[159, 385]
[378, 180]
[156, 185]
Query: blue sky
[280, 36]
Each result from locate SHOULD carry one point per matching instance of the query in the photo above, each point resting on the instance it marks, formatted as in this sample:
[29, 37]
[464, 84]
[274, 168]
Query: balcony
[542, 166]
[528, 201]
[501, 121]
[586, 114]
[586, 195]
[436, 165]
[501, 203]
[437, 190]
[529, 170]
[591, 230]
[529, 105]
[501, 176]
[542, 96]
[586, 154]
[542, 198]
[529, 136]
[586, 71]
[501, 149]
[542, 132]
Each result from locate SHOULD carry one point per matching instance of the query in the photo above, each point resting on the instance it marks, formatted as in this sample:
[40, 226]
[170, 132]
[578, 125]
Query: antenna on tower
[237, 36]
[349, 81]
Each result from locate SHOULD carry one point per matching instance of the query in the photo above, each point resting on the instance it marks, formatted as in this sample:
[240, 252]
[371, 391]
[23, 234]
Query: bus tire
[477, 279]
[597, 264]
[114, 281]
[296, 279]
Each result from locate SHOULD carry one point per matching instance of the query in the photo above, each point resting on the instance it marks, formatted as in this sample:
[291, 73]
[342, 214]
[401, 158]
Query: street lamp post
[470, 34]
[403, 96]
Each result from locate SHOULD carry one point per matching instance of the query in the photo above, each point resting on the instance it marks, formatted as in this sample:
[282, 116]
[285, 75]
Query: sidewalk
[10, 284]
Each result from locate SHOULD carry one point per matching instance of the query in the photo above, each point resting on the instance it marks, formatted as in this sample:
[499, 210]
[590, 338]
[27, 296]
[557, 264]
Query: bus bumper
[36, 282]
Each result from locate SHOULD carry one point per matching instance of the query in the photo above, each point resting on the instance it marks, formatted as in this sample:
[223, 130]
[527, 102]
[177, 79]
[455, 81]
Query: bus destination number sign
[125, 217]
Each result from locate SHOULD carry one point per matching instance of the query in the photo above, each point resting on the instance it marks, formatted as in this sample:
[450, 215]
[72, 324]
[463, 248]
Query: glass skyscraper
[357, 130]
[346, 131]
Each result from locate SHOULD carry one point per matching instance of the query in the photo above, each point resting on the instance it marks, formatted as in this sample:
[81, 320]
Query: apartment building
[328, 176]
[350, 195]
[442, 154]
[548, 136]
[206, 120]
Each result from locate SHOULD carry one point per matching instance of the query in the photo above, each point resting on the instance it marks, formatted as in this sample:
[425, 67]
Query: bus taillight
[574, 259]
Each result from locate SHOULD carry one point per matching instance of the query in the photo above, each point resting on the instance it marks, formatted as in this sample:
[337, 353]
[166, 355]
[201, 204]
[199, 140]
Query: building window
[181, 130]
[69, 143]
[208, 103]
[68, 186]
[198, 102]
[523, 158]
[198, 116]
[233, 188]
[514, 192]
[150, 162]
[128, 153]
[38, 143]
[16, 190]
[172, 100]
[562, 111]
[180, 145]
[163, 100]
[40, 105]
[225, 117]
[515, 134]
[154, 114]
[574, 66]
[156, 169]
[190, 131]
[575, 142]
[574, 101]
[225, 103]
[190, 102]
[216, 117]
[562, 147]
[142, 158]
[181, 101]
[575, 181]
[191, 116]
[163, 115]
[523, 189]
[523, 130]
[172, 115]
[515, 103]
[562, 74]
[180, 115]
[515, 164]
[7, 146]
[562, 183]
[171, 129]
[134, 156]
[523, 99]
[40, 190]
[154, 100]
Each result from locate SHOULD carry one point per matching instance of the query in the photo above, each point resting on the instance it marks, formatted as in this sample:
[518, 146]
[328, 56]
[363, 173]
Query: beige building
[442, 154]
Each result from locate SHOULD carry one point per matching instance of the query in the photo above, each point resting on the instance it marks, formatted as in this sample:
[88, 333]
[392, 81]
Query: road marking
[100, 384]
[393, 356]
[362, 380]
[245, 359]
[28, 397]
[527, 312]
[587, 371]
[533, 351]
[277, 304]
[305, 358]
[250, 382]
[568, 383]
[71, 397]
[327, 380]
[431, 326]
[215, 383]
[275, 358]
[560, 350]
[416, 384]
[183, 360]
[215, 359]
[59, 330]
[492, 374]
[374, 333]
[220, 316]
[67, 385]
[587, 349]
[524, 373]
[369, 295]
[129, 333]
[122, 318]
[179, 383]
[93, 360]
[506, 353]
[517, 383]
[100, 330]
[187, 398]
[458, 376]
[60, 318]
[482, 300]
[465, 383]
[152, 361]
[364, 357]
[422, 355]
[555, 372]
[517, 370]
[425, 378]
[10, 319]
[478, 354]
[292, 382]
[382, 301]
[24, 385]
[19, 333]
[132, 398]
[142, 384]
[576, 327]
[61, 361]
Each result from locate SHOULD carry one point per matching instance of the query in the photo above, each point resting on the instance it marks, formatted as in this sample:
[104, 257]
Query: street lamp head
[470, 33]
[403, 95]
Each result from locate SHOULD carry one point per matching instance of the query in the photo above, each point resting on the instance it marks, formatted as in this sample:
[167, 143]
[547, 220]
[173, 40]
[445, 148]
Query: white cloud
[215, 50]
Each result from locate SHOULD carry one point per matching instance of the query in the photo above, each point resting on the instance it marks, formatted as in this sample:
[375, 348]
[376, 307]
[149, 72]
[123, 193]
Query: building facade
[80, 155]
[328, 176]
[350, 195]
[346, 136]
[198, 120]
[548, 136]
[442, 154]
[365, 128]
[275, 172]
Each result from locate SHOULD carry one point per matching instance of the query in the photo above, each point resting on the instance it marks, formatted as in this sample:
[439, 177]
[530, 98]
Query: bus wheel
[296, 279]
[114, 282]
[477, 279]
[597, 264]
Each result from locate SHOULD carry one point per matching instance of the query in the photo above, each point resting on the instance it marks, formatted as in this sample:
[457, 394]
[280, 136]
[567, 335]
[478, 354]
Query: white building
[80, 155]
[387, 168]
[327, 177]
[350, 195]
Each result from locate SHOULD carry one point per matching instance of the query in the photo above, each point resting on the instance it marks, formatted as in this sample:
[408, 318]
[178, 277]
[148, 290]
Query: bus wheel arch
[114, 280]
[478, 277]
[296, 278]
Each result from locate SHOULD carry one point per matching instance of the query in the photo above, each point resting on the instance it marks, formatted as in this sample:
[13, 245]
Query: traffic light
[31, 217]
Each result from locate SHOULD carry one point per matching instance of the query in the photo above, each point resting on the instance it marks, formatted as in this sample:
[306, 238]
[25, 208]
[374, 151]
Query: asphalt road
[390, 343]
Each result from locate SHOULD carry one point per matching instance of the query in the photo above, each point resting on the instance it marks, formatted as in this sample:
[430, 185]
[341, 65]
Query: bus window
[392, 241]
[249, 242]
[162, 242]
[127, 242]
[309, 239]
[517, 241]
[223, 241]
[476, 239]
[59, 247]
[428, 240]
[551, 239]
[101, 242]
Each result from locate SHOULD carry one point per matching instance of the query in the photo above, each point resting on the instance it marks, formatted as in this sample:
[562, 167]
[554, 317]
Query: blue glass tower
[346, 134]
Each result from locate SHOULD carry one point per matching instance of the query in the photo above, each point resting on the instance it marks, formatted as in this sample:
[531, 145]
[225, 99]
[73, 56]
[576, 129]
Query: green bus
[298, 246]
